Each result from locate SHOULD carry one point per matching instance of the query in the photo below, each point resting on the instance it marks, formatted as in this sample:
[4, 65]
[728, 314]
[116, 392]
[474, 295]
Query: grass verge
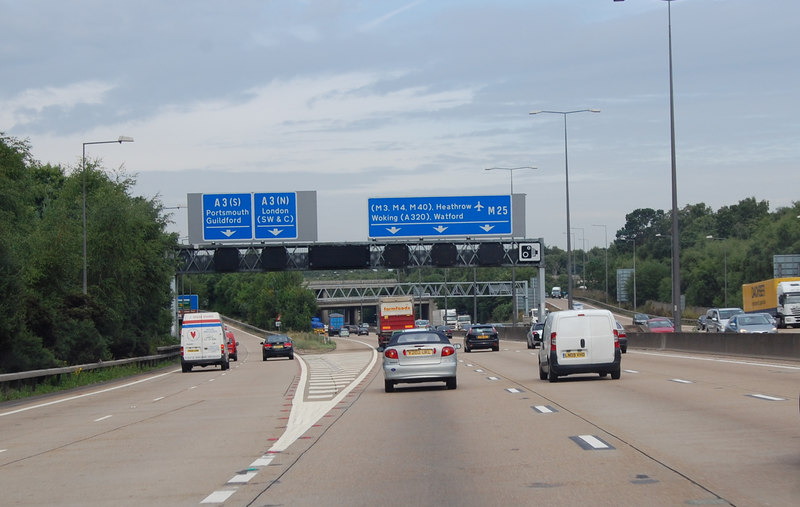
[81, 378]
[312, 343]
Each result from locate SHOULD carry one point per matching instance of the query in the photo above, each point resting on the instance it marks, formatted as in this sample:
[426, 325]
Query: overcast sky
[357, 99]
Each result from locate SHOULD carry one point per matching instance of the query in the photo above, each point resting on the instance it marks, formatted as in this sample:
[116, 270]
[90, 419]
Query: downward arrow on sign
[275, 231]
[487, 227]
[228, 232]
[394, 230]
[440, 229]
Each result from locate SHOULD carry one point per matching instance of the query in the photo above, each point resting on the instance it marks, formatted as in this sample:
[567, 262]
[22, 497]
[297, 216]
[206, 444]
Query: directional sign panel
[227, 216]
[275, 215]
[485, 215]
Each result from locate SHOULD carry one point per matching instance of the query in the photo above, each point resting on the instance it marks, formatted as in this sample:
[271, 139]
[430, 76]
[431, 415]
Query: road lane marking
[591, 443]
[513, 390]
[766, 397]
[544, 409]
[630, 371]
[218, 496]
[681, 381]
[243, 478]
[71, 398]
[263, 461]
[493, 378]
[718, 360]
[103, 418]
[159, 398]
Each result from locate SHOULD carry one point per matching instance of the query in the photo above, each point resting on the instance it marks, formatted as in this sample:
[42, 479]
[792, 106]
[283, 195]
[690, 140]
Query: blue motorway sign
[483, 215]
[275, 215]
[227, 216]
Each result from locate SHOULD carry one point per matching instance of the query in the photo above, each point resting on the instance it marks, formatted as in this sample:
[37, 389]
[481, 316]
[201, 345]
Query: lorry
[395, 313]
[463, 322]
[555, 292]
[451, 318]
[335, 323]
[779, 297]
[203, 341]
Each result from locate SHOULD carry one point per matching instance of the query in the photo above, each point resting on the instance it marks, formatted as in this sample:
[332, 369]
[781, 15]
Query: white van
[203, 341]
[579, 341]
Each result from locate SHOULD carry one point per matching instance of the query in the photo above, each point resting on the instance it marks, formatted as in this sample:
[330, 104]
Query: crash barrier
[36, 377]
[772, 346]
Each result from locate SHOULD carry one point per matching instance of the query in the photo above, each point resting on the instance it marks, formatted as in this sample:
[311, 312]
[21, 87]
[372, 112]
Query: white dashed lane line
[102, 418]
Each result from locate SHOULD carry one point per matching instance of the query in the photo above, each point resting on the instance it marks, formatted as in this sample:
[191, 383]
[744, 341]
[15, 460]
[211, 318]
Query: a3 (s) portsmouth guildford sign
[482, 215]
[252, 217]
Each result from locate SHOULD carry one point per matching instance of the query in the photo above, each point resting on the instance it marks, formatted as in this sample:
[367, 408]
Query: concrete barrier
[772, 346]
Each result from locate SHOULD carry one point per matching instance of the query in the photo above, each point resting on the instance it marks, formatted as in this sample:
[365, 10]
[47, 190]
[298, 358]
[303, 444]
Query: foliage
[45, 318]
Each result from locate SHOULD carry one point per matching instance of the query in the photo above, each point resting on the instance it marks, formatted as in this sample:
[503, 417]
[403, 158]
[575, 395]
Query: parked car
[481, 336]
[622, 336]
[277, 345]
[534, 336]
[579, 341]
[717, 318]
[640, 319]
[447, 330]
[233, 353]
[751, 323]
[660, 325]
[419, 356]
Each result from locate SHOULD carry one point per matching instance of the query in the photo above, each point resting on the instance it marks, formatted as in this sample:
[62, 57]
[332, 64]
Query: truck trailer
[779, 297]
[395, 313]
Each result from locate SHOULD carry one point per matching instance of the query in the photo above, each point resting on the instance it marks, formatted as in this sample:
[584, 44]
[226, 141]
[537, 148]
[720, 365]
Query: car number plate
[483, 336]
[193, 350]
[572, 355]
[419, 352]
[278, 347]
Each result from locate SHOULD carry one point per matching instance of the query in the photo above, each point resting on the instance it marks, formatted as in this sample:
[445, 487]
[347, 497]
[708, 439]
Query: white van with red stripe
[203, 341]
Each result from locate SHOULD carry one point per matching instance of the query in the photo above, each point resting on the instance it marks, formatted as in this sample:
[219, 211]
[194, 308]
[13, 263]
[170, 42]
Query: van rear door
[585, 339]
[203, 338]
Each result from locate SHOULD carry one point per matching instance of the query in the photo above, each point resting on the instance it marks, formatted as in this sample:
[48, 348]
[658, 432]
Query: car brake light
[222, 348]
[181, 351]
[391, 354]
[553, 342]
[287, 345]
[447, 350]
[267, 345]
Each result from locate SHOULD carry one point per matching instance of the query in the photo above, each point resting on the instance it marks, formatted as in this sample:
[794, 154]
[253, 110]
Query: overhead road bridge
[228, 258]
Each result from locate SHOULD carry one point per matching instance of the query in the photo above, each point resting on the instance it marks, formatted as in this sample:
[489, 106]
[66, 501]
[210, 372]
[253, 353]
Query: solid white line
[218, 496]
[718, 360]
[593, 441]
[102, 418]
[71, 398]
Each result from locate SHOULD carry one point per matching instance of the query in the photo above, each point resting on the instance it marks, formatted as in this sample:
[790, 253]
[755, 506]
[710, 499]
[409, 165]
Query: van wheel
[388, 386]
[542, 374]
[616, 374]
[551, 375]
[186, 368]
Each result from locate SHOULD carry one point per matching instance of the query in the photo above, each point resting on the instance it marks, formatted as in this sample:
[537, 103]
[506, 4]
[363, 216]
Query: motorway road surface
[677, 429]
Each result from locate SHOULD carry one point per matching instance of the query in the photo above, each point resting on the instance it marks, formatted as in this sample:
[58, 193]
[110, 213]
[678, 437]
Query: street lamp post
[725, 255]
[605, 235]
[583, 248]
[120, 140]
[566, 173]
[513, 265]
[676, 251]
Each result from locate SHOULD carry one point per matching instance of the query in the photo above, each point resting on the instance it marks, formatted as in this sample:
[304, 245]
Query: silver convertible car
[419, 356]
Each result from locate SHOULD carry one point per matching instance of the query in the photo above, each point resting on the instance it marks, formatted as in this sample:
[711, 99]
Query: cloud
[28, 106]
[375, 23]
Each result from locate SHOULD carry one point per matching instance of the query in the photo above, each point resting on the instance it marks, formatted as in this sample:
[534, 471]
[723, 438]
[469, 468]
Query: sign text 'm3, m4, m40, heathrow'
[487, 215]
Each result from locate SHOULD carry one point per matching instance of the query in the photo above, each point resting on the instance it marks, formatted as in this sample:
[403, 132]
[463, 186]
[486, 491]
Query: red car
[232, 344]
[660, 325]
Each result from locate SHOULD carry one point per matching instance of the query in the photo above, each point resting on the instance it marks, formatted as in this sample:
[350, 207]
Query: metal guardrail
[35, 377]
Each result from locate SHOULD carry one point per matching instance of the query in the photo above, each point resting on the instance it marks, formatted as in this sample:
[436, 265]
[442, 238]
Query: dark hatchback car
[481, 336]
[277, 345]
[447, 330]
